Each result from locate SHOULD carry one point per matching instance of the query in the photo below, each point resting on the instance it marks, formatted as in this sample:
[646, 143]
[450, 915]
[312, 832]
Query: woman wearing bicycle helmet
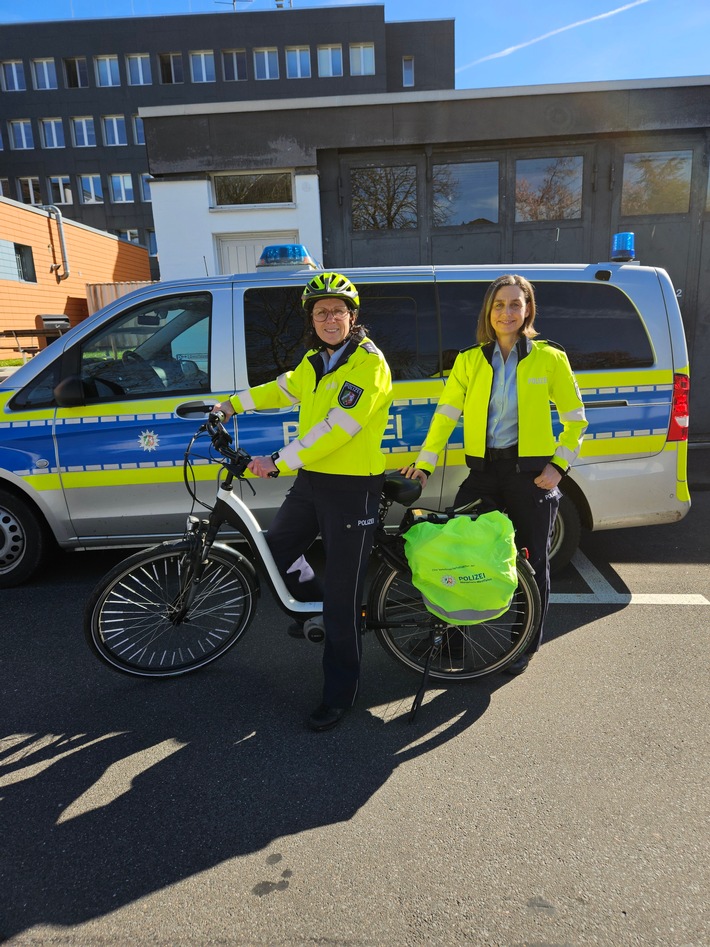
[344, 388]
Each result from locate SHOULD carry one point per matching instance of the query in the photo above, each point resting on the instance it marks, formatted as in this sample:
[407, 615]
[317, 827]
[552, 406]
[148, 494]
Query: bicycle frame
[231, 509]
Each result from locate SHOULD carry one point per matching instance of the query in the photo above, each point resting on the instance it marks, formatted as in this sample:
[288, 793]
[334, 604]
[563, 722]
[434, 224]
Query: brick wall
[92, 256]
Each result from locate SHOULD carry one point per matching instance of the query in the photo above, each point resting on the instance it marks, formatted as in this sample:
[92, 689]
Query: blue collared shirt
[330, 361]
[502, 428]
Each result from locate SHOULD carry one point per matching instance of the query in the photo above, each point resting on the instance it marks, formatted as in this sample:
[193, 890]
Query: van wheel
[23, 540]
[565, 535]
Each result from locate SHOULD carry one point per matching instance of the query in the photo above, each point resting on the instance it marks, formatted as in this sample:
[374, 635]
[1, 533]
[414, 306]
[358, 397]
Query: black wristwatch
[274, 457]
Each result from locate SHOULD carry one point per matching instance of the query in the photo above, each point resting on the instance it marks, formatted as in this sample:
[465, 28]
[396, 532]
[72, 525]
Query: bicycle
[178, 606]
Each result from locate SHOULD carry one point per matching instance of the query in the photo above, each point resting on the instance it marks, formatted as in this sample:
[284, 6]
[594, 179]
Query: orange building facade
[46, 262]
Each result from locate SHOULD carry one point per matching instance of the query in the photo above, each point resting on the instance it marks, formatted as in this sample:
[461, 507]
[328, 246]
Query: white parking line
[602, 593]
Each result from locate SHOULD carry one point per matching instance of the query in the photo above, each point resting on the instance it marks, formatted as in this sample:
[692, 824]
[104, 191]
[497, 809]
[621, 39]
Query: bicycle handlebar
[238, 459]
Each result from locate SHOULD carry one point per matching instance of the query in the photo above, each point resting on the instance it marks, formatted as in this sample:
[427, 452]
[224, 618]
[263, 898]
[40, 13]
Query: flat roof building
[71, 90]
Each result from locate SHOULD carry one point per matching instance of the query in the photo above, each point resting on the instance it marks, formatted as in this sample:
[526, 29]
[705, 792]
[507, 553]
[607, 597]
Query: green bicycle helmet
[334, 285]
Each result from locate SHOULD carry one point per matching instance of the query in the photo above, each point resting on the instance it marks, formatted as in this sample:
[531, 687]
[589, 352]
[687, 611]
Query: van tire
[24, 543]
[565, 535]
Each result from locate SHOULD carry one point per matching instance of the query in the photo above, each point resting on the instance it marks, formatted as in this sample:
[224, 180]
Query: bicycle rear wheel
[404, 628]
[130, 620]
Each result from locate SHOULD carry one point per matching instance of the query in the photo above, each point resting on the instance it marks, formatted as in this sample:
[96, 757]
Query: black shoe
[519, 666]
[325, 718]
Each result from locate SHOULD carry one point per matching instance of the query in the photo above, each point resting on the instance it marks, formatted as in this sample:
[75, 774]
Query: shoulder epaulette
[555, 345]
[370, 347]
[477, 345]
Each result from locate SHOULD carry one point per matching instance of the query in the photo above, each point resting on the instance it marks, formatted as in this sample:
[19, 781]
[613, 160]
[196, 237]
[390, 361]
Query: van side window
[596, 323]
[155, 349]
[274, 331]
[401, 321]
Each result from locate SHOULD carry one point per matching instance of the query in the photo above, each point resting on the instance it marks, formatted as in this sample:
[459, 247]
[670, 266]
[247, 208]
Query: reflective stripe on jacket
[543, 376]
[343, 412]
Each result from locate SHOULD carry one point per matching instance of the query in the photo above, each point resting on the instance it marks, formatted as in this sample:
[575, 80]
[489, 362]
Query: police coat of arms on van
[349, 395]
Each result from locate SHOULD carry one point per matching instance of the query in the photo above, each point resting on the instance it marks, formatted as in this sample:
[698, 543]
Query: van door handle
[193, 409]
[606, 404]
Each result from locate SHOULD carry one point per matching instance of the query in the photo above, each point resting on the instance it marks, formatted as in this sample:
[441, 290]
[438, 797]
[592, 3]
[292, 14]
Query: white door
[239, 253]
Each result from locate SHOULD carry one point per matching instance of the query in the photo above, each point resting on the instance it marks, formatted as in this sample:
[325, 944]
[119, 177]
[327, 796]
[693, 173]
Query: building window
[13, 76]
[138, 130]
[16, 262]
[170, 68]
[107, 71]
[362, 59]
[121, 188]
[549, 188]
[465, 194]
[76, 73]
[60, 190]
[83, 132]
[52, 132]
[129, 236]
[44, 74]
[202, 66]
[266, 64]
[656, 182]
[4, 187]
[408, 71]
[384, 198]
[271, 187]
[21, 138]
[28, 190]
[234, 65]
[91, 189]
[114, 128]
[330, 61]
[152, 243]
[138, 69]
[145, 188]
[298, 62]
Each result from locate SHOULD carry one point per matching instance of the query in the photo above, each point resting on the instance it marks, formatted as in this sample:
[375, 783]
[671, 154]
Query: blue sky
[521, 43]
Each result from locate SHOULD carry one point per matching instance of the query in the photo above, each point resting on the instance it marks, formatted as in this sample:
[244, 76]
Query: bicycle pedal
[314, 629]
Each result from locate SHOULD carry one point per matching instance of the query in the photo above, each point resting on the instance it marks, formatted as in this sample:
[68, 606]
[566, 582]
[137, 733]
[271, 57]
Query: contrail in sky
[562, 29]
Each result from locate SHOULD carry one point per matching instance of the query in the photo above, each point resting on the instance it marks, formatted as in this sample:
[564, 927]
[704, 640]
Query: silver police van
[94, 428]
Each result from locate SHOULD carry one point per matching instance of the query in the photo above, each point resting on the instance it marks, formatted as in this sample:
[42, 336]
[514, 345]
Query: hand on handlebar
[225, 408]
[414, 473]
[263, 467]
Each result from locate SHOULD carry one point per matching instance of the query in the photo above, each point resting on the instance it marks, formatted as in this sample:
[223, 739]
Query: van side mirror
[69, 393]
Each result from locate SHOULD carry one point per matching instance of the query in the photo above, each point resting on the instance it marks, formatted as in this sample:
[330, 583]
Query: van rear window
[596, 324]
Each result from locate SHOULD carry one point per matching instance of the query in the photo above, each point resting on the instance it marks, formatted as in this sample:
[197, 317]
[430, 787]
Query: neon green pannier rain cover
[464, 568]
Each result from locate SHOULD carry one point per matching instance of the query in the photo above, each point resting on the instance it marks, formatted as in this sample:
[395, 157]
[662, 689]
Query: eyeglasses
[321, 315]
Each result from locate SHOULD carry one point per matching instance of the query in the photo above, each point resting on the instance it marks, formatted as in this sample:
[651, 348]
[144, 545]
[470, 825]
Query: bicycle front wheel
[407, 631]
[132, 621]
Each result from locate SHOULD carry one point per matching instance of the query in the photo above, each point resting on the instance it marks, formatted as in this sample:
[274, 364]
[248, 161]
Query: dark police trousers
[531, 510]
[343, 509]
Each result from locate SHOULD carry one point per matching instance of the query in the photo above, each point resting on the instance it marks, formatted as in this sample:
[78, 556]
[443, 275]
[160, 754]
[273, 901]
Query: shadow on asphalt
[113, 788]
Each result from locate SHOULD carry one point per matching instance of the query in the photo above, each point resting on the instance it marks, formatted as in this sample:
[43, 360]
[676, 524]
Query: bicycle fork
[201, 534]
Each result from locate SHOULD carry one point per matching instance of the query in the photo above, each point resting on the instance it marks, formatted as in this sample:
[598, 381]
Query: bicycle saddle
[398, 488]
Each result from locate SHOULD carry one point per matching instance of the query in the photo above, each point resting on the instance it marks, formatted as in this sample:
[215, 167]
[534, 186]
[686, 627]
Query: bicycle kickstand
[436, 638]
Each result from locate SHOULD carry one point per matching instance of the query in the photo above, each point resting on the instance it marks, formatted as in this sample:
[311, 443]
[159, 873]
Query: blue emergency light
[622, 247]
[287, 256]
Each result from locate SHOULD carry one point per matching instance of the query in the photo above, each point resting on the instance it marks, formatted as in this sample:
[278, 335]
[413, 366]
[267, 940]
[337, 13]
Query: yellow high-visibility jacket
[343, 412]
[543, 375]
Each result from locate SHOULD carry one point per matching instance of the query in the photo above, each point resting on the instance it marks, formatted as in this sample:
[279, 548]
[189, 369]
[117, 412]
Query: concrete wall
[189, 227]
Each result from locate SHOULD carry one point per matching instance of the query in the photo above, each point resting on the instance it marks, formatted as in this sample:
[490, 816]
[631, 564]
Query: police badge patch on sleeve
[349, 395]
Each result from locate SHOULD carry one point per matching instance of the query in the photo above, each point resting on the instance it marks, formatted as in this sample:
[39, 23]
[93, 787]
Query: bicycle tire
[127, 617]
[403, 627]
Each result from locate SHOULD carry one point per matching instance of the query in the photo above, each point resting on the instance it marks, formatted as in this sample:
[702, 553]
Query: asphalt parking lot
[565, 807]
